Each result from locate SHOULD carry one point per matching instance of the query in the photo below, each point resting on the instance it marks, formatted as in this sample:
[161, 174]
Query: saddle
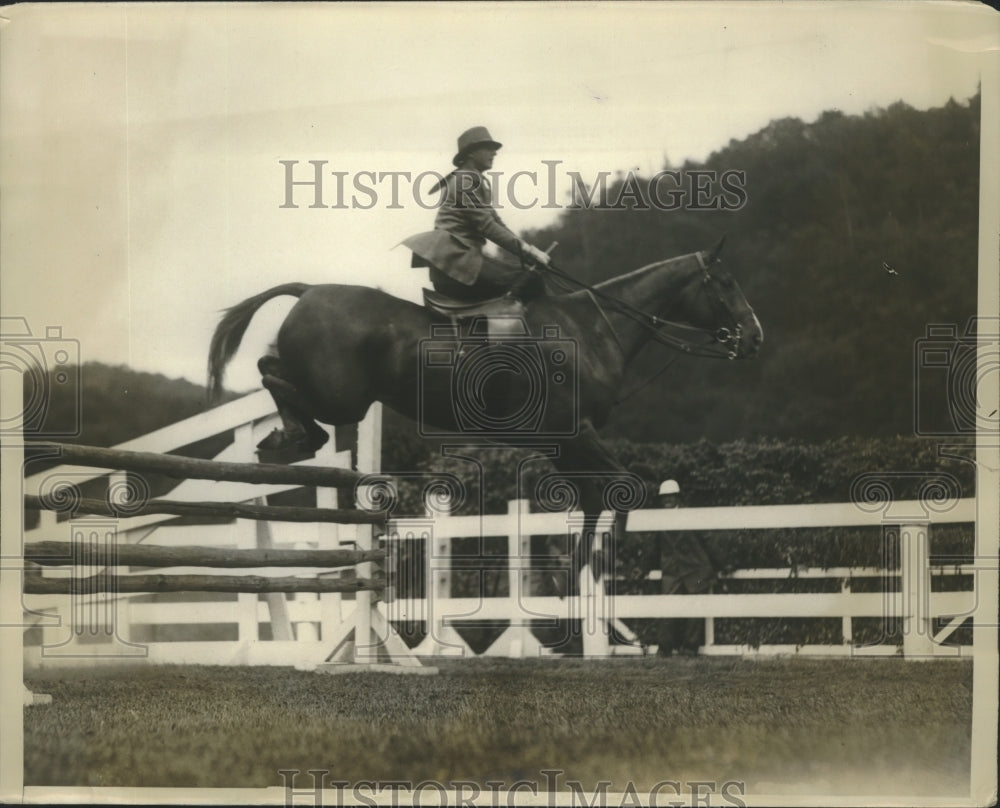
[504, 315]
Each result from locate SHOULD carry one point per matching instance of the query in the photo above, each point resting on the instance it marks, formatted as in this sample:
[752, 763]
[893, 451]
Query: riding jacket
[465, 221]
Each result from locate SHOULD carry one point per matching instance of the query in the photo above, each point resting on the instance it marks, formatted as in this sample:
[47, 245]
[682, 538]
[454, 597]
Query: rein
[646, 382]
[724, 341]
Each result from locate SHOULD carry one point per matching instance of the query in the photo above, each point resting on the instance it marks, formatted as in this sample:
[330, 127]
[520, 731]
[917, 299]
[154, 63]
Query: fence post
[246, 539]
[915, 590]
[517, 640]
[847, 623]
[327, 535]
[439, 568]
[369, 462]
[246, 437]
[14, 696]
[331, 604]
[594, 601]
[519, 577]
[277, 605]
[443, 638]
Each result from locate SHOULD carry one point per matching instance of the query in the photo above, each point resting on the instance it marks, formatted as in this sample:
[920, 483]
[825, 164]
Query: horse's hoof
[285, 455]
[291, 454]
[315, 440]
[276, 440]
[280, 447]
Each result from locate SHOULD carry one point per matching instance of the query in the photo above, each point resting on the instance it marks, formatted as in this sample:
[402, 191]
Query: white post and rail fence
[905, 596]
[304, 625]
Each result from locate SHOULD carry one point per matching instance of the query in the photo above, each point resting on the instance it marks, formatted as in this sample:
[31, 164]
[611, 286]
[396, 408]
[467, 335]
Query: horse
[553, 380]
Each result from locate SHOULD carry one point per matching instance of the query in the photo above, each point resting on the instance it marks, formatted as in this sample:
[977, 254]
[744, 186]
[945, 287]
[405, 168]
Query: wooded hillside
[831, 206]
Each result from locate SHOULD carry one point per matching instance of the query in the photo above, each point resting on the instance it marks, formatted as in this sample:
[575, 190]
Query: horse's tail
[231, 328]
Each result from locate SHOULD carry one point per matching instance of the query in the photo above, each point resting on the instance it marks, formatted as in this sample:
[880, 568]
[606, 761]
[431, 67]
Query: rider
[465, 221]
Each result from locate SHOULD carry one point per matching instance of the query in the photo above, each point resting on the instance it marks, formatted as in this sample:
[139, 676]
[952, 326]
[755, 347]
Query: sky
[143, 188]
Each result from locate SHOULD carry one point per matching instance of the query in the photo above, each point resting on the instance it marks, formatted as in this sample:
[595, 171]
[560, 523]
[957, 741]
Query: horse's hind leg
[300, 435]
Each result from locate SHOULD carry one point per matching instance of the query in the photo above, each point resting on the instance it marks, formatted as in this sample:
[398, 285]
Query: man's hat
[470, 139]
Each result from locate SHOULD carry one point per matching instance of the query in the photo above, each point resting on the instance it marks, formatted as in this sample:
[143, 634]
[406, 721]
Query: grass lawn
[853, 726]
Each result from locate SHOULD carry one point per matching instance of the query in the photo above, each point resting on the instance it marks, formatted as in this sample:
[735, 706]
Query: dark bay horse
[551, 380]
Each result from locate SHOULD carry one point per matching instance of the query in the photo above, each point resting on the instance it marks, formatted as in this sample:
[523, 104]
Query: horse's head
[713, 301]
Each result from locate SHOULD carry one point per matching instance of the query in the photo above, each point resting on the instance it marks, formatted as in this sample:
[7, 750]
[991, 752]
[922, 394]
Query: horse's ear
[713, 254]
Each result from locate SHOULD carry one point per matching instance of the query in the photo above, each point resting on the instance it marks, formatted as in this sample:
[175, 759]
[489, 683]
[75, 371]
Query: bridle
[722, 343]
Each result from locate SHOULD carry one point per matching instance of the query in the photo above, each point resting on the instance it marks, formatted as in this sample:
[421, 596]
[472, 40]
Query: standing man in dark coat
[465, 221]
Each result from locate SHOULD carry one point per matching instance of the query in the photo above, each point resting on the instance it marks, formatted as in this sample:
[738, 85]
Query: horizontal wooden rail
[811, 573]
[813, 604]
[52, 553]
[665, 520]
[195, 468]
[822, 515]
[126, 584]
[234, 510]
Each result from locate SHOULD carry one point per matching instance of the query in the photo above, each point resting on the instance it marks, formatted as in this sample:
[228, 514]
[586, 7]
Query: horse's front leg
[604, 485]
